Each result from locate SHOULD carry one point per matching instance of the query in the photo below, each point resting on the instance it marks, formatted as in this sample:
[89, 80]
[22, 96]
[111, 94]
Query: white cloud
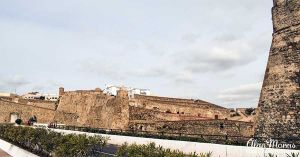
[12, 83]
[248, 93]
[180, 48]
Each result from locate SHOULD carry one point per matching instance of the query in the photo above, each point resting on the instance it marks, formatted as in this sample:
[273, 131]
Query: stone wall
[24, 111]
[203, 127]
[183, 107]
[144, 119]
[93, 108]
[140, 113]
[279, 104]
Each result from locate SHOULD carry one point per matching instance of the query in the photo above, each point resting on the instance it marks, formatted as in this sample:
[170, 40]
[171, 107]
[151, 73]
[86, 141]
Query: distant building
[113, 90]
[37, 95]
[5, 94]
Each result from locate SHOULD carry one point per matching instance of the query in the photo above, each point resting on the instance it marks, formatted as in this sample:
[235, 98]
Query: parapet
[123, 93]
[285, 14]
[61, 91]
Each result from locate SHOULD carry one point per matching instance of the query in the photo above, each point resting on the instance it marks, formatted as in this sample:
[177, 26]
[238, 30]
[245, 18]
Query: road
[3, 154]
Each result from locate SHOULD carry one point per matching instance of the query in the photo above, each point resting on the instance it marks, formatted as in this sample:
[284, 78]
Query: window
[216, 116]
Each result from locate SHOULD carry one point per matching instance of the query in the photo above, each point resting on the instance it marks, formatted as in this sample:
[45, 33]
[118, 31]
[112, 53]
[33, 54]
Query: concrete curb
[14, 150]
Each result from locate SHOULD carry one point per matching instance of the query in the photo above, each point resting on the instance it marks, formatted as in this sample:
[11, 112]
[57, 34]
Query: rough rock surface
[94, 109]
[279, 105]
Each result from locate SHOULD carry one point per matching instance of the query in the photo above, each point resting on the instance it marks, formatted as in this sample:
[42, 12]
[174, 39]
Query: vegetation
[287, 155]
[293, 155]
[249, 111]
[151, 150]
[271, 155]
[19, 121]
[48, 143]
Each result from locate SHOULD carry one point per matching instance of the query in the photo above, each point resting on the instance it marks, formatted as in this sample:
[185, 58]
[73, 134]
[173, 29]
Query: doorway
[14, 117]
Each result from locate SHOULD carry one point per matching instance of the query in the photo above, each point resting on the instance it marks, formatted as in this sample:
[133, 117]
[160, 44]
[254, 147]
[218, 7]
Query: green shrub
[249, 111]
[48, 143]
[18, 121]
[293, 155]
[151, 150]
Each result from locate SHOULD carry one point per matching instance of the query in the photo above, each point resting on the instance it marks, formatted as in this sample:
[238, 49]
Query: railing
[204, 138]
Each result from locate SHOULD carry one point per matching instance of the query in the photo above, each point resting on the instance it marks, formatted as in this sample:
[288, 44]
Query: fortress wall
[42, 103]
[25, 111]
[279, 105]
[186, 107]
[285, 14]
[137, 96]
[204, 127]
[94, 109]
[138, 113]
[32, 102]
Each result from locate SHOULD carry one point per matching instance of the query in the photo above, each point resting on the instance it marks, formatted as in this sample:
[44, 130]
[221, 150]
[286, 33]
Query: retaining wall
[187, 147]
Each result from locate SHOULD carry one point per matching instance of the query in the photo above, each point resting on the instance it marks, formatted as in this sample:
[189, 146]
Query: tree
[18, 121]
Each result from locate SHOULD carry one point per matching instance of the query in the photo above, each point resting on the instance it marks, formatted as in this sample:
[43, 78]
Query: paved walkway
[3, 154]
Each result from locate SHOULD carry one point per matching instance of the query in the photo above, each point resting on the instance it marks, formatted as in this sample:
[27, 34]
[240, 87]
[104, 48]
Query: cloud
[13, 82]
[170, 49]
[215, 59]
[248, 93]
[221, 52]
[104, 69]
[148, 72]
[48, 85]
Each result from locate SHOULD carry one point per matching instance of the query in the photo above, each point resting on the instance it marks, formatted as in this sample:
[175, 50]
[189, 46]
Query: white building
[5, 94]
[37, 95]
[112, 90]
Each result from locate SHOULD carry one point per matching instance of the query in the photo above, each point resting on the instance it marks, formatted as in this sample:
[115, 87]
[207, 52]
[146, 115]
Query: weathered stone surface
[203, 127]
[25, 111]
[279, 105]
[94, 109]
[182, 107]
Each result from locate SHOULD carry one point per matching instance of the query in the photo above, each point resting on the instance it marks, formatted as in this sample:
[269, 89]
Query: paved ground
[3, 154]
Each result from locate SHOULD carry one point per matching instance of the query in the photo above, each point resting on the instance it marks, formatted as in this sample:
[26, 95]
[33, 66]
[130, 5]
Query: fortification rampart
[279, 104]
[285, 14]
[137, 113]
[204, 127]
[93, 108]
[24, 111]
[185, 107]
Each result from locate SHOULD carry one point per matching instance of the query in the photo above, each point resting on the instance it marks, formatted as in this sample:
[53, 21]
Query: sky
[202, 49]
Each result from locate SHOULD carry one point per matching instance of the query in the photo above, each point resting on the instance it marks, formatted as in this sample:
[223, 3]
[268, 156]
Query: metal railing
[204, 138]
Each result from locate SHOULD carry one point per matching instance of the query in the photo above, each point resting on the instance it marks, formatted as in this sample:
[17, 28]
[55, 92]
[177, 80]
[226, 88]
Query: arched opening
[168, 111]
[14, 117]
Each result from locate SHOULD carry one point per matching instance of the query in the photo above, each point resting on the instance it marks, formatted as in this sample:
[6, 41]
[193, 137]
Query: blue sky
[211, 50]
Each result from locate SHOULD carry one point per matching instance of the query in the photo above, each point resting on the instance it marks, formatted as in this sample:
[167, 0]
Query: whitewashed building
[113, 90]
[37, 95]
[6, 94]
